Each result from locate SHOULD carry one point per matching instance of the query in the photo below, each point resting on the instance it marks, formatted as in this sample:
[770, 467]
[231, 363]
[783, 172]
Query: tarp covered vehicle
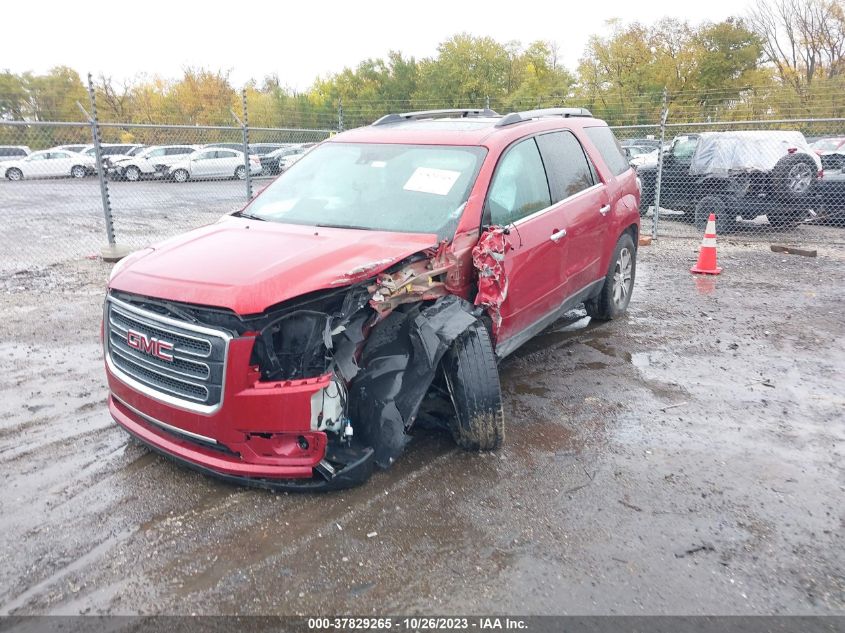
[743, 174]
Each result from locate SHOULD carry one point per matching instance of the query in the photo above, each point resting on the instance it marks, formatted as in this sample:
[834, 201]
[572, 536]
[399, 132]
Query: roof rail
[527, 115]
[436, 114]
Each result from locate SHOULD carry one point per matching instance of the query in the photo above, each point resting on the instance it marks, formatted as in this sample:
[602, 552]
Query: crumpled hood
[249, 265]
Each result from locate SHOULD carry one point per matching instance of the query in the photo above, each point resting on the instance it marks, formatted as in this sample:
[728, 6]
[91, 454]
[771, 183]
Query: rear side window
[566, 164]
[12, 151]
[176, 151]
[519, 186]
[609, 148]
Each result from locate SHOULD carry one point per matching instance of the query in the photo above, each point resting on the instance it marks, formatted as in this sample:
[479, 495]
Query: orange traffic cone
[707, 255]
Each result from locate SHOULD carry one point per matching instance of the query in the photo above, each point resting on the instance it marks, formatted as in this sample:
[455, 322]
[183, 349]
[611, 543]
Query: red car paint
[245, 266]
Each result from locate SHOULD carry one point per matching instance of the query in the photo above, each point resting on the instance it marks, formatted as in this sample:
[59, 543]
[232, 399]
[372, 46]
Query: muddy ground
[687, 458]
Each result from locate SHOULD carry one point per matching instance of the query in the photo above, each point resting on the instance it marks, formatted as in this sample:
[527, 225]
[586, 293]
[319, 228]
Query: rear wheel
[180, 175]
[722, 207]
[78, 171]
[618, 285]
[240, 172]
[472, 379]
[132, 173]
[14, 174]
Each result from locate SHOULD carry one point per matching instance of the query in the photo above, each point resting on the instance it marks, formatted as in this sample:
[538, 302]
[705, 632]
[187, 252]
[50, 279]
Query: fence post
[246, 148]
[340, 114]
[487, 102]
[664, 114]
[111, 253]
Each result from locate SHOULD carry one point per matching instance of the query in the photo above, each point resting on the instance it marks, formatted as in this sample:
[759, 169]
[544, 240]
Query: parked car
[13, 152]
[290, 344]
[48, 164]
[235, 146]
[827, 145]
[289, 159]
[651, 143]
[736, 174]
[153, 161]
[271, 162]
[110, 159]
[110, 149]
[71, 148]
[213, 163]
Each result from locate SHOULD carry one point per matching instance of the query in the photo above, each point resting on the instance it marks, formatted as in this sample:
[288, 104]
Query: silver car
[214, 163]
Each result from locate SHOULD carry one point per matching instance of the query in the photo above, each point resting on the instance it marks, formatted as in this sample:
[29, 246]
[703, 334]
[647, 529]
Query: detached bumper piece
[342, 467]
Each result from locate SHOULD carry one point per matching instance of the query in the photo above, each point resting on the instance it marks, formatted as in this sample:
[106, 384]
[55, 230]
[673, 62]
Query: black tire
[78, 171]
[13, 173]
[240, 172]
[132, 173]
[793, 178]
[180, 175]
[472, 379]
[723, 207]
[612, 300]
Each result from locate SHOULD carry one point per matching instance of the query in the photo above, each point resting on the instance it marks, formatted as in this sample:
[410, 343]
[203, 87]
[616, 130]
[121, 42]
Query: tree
[803, 39]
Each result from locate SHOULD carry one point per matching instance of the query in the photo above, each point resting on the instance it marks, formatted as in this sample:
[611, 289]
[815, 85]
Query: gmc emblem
[149, 345]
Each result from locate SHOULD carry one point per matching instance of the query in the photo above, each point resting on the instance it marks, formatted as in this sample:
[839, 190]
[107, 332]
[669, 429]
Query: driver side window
[684, 147]
[520, 186]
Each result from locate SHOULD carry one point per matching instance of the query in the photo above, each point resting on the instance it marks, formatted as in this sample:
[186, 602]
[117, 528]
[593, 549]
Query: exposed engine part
[328, 408]
[419, 280]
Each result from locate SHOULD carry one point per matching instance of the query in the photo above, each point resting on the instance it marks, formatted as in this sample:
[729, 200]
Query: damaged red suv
[291, 344]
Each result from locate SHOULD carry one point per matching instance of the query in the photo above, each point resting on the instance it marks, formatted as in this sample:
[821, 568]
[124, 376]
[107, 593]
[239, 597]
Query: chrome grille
[192, 379]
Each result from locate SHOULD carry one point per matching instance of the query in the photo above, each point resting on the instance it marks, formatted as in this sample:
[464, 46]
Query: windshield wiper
[343, 226]
[249, 216]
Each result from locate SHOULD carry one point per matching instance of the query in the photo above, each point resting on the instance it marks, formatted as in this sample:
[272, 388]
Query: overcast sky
[295, 39]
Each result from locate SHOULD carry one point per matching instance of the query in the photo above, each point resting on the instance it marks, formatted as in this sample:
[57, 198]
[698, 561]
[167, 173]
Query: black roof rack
[527, 115]
[436, 114]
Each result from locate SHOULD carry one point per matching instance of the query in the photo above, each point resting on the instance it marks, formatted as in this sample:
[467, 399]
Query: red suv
[290, 345]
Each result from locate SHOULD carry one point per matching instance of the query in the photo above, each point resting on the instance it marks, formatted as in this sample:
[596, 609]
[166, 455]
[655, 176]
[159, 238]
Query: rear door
[59, 164]
[202, 164]
[519, 199]
[226, 162]
[583, 203]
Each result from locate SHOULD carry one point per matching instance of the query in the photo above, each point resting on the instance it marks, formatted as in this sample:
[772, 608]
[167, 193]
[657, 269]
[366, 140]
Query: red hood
[249, 265]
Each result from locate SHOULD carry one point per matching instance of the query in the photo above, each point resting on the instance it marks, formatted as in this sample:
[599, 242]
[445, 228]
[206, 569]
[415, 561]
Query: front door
[519, 200]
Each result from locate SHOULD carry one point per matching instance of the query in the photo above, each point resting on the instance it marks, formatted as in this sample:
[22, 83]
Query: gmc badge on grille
[149, 345]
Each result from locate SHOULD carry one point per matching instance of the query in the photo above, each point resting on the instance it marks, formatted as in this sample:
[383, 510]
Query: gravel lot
[687, 458]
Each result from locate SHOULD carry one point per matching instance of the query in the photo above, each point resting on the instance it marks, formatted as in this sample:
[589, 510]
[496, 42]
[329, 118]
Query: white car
[152, 161]
[49, 163]
[214, 163]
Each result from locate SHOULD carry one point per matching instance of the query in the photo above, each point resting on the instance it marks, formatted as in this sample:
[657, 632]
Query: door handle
[558, 235]
[605, 209]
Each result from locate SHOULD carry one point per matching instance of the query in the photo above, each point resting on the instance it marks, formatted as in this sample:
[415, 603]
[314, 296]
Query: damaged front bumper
[211, 459]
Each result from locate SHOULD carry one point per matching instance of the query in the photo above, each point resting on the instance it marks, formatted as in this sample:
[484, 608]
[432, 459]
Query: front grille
[192, 378]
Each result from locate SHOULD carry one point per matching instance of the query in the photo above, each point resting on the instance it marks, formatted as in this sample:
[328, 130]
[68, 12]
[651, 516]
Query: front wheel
[132, 173]
[618, 284]
[180, 175]
[723, 209]
[472, 378]
[240, 172]
[14, 174]
[78, 171]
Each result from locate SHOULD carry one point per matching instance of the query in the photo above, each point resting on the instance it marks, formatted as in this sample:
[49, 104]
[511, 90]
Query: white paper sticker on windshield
[430, 180]
[378, 163]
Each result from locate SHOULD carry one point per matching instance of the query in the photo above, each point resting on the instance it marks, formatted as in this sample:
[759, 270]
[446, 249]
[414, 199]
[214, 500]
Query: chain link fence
[69, 189]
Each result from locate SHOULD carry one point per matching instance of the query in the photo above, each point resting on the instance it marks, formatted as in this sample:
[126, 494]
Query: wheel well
[633, 231]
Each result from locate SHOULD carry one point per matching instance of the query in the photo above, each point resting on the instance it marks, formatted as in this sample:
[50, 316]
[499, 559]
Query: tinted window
[519, 186]
[566, 164]
[176, 151]
[609, 148]
[59, 155]
[225, 154]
